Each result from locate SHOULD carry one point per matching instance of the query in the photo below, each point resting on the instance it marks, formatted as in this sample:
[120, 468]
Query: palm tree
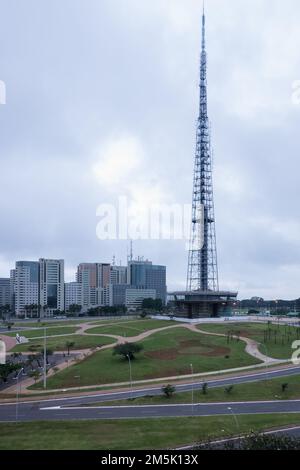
[69, 345]
[35, 374]
[45, 308]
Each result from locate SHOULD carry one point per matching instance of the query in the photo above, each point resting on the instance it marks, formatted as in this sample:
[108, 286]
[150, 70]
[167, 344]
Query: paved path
[252, 346]
[9, 341]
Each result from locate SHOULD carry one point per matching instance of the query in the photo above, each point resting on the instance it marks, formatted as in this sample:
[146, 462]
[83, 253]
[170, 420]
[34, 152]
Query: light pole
[234, 417]
[45, 360]
[77, 377]
[130, 375]
[17, 394]
[192, 370]
[266, 362]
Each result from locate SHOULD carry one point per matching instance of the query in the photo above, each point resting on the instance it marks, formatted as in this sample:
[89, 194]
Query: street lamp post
[130, 375]
[17, 394]
[234, 417]
[45, 360]
[192, 370]
[77, 377]
[266, 362]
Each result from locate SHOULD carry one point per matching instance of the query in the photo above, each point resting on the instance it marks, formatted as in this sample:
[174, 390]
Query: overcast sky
[102, 101]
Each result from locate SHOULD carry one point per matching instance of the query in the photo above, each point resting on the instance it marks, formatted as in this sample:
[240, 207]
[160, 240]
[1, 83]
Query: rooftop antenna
[131, 250]
[114, 261]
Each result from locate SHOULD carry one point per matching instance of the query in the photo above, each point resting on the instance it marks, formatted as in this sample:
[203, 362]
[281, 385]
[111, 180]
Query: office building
[25, 285]
[5, 294]
[73, 294]
[145, 275]
[134, 297]
[51, 286]
[94, 278]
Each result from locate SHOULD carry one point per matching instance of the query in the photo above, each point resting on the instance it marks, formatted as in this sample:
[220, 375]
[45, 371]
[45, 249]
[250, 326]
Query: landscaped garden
[131, 328]
[59, 343]
[166, 353]
[50, 331]
[274, 340]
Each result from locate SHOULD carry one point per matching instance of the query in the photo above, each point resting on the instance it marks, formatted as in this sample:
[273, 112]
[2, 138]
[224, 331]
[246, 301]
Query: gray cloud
[81, 75]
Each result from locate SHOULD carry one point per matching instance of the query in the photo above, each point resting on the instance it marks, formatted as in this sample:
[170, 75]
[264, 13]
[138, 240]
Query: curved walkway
[9, 341]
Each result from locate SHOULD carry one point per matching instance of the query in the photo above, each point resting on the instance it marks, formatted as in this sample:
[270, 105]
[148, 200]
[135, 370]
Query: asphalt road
[71, 408]
[40, 412]
[108, 396]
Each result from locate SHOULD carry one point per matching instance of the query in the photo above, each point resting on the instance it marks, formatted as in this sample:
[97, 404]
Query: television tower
[202, 262]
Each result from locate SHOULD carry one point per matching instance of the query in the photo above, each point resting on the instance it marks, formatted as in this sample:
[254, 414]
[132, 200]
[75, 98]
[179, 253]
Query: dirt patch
[217, 351]
[189, 348]
[163, 355]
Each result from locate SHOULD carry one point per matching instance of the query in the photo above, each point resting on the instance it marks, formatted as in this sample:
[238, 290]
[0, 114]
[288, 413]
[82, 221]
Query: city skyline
[65, 129]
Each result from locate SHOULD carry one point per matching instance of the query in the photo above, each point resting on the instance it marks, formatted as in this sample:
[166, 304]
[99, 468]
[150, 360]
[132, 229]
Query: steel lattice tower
[202, 263]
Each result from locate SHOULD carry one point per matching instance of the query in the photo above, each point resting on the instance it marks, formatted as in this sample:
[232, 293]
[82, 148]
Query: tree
[204, 388]
[5, 310]
[168, 390]
[74, 309]
[9, 325]
[34, 374]
[143, 314]
[7, 369]
[69, 345]
[152, 304]
[127, 350]
[284, 387]
[229, 389]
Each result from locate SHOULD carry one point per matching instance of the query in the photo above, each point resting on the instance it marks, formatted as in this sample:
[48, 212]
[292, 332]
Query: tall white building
[73, 294]
[25, 285]
[51, 285]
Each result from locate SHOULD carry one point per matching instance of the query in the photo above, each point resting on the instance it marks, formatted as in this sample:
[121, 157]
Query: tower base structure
[203, 304]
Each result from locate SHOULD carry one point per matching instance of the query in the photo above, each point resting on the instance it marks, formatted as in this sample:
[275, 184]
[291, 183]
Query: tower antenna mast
[202, 272]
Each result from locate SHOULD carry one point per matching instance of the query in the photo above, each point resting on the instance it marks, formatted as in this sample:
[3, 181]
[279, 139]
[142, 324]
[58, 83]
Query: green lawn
[263, 390]
[35, 324]
[131, 328]
[279, 338]
[59, 344]
[167, 353]
[132, 434]
[64, 330]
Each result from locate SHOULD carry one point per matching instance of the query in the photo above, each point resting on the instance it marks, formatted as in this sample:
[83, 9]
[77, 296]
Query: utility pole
[17, 395]
[192, 370]
[130, 376]
[45, 359]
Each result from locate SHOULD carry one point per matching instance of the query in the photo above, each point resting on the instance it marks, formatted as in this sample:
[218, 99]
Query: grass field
[167, 353]
[264, 390]
[278, 342]
[50, 323]
[59, 344]
[132, 434]
[131, 328]
[64, 330]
